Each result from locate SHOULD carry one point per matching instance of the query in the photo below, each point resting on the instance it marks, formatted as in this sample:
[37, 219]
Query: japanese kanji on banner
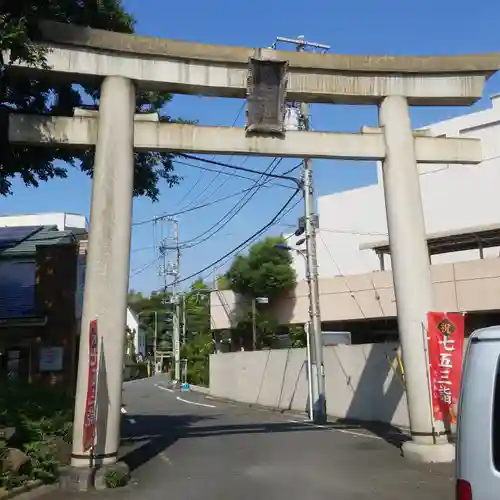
[446, 340]
[89, 424]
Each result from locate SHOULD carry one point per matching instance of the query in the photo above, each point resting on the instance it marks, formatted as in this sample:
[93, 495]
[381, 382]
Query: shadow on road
[257, 428]
[157, 432]
[153, 434]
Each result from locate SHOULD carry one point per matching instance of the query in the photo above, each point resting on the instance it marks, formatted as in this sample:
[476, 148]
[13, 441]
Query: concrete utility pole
[170, 270]
[316, 352]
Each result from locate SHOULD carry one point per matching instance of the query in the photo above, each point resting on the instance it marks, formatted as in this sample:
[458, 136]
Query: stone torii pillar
[412, 278]
[106, 282]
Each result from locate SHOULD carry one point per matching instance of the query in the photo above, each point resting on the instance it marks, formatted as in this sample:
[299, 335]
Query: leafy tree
[242, 334]
[266, 271]
[297, 335]
[197, 352]
[223, 283]
[197, 303]
[155, 308]
[198, 345]
[18, 33]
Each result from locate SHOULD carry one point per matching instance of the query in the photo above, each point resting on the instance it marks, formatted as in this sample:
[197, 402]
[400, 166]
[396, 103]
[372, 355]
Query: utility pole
[254, 324]
[184, 318]
[316, 352]
[170, 269]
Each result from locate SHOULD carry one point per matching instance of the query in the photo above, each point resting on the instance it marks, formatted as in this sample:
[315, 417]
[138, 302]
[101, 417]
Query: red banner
[446, 341]
[89, 424]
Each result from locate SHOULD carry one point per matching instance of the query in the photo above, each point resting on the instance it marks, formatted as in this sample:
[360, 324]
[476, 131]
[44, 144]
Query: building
[463, 229]
[63, 221]
[78, 225]
[38, 324]
[139, 334]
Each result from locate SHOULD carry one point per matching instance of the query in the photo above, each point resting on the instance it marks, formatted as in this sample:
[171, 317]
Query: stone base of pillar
[78, 479]
[429, 453]
[74, 479]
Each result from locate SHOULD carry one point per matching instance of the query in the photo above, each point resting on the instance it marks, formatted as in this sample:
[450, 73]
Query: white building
[455, 198]
[462, 216]
[63, 221]
[139, 335]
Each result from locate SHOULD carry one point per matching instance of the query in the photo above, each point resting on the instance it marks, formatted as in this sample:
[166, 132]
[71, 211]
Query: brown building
[38, 304]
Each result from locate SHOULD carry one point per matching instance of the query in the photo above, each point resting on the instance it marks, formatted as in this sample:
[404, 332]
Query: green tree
[198, 345]
[297, 335]
[155, 308]
[266, 271]
[18, 33]
[197, 302]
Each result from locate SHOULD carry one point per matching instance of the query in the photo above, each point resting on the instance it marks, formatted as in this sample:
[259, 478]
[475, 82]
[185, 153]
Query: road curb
[379, 426]
[200, 389]
[32, 489]
[253, 405]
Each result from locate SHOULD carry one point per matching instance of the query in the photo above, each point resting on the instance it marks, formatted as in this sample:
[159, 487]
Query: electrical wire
[231, 174]
[201, 176]
[242, 169]
[266, 184]
[241, 245]
[221, 264]
[236, 209]
[143, 268]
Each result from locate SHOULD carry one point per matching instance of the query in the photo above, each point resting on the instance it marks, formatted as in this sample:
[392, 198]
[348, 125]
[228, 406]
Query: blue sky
[363, 27]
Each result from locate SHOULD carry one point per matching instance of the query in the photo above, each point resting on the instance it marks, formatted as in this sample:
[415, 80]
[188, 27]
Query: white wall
[454, 197]
[62, 220]
[139, 335]
[360, 382]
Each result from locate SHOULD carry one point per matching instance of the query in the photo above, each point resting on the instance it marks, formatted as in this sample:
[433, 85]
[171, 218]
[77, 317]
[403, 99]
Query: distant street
[185, 446]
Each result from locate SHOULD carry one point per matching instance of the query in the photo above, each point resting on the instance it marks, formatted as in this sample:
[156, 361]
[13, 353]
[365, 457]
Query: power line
[201, 176]
[266, 184]
[231, 174]
[143, 268]
[241, 245]
[221, 264]
[296, 181]
[237, 208]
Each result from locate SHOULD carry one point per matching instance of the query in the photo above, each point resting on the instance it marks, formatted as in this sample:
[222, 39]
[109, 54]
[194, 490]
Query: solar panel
[17, 289]
[10, 236]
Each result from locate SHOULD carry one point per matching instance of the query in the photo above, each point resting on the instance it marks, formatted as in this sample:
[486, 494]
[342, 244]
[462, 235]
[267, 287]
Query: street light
[307, 328]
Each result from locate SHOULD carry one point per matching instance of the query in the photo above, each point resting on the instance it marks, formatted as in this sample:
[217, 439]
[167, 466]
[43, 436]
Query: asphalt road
[184, 446]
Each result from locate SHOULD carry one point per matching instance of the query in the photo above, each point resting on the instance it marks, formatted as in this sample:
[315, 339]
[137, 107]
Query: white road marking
[165, 458]
[333, 429]
[195, 403]
[164, 388]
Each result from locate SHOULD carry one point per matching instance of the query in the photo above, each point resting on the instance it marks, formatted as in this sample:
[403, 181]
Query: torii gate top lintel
[218, 70]
[79, 36]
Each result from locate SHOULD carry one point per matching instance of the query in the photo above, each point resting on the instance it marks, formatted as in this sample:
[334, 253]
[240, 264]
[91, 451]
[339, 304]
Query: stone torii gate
[122, 63]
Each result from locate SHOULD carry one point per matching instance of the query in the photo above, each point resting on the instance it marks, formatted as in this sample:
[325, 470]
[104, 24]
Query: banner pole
[425, 340]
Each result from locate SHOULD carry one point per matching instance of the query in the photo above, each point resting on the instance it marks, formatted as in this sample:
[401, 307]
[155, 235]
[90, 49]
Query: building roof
[23, 241]
[455, 240]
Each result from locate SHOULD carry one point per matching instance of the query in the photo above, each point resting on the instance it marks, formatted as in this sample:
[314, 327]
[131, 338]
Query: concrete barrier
[361, 384]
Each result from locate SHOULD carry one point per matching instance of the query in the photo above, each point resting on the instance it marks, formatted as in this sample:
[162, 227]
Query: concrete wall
[463, 286]
[360, 383]
[453, 196]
